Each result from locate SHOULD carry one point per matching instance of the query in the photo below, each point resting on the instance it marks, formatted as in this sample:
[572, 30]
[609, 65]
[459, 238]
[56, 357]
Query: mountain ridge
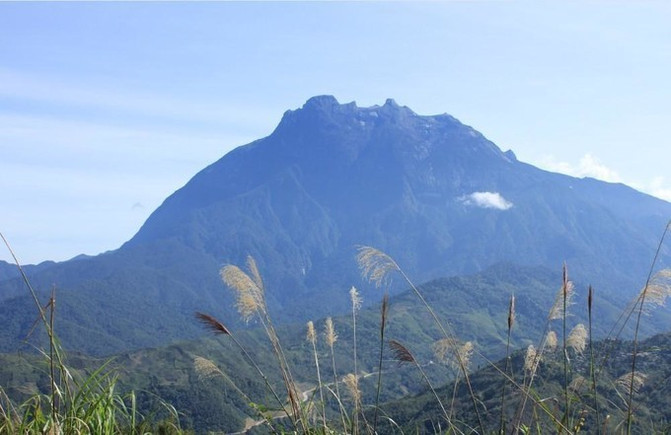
[430, 191]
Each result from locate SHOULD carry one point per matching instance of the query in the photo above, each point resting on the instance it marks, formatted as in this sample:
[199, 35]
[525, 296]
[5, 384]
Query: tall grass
[375, 265]
[510, 323]
[569, 410]
[76, 403]
[92, 403]
[403, 355]
[658, 293]
[251, 302]
[384, 312]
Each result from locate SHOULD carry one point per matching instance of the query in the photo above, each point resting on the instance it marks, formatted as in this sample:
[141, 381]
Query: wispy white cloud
[658, 186]
[487, 200]
[587, 166]
[590, 166]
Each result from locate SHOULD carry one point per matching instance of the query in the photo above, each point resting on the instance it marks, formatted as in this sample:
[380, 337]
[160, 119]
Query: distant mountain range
[431, 192]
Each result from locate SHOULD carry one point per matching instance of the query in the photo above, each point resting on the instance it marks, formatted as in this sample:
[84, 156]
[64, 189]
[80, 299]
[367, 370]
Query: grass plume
[654, 294]
[403, 355]
[311, 337]
[577, 338]
[218, 328]
[375, 266]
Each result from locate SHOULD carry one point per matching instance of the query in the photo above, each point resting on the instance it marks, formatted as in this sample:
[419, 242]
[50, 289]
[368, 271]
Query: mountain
[430, 191]
[8, 271]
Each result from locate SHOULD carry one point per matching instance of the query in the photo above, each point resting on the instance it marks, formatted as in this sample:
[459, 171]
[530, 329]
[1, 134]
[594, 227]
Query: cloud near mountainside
[660, 189]
[590, 166]
[487, 200]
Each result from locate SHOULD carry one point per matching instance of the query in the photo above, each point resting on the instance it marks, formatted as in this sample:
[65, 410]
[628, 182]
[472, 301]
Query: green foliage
[63, 399]
[420, 412]
[135, 388]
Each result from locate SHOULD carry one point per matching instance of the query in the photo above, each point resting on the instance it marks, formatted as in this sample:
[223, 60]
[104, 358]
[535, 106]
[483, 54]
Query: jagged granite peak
[325, 124]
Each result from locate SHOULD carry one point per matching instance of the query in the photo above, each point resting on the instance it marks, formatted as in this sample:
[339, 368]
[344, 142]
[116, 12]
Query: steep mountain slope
[433, 193]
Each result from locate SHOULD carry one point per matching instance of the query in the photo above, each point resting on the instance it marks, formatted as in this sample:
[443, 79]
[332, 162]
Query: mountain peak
[324, 128]
[327, 110]
[329, 104]
[321, 101]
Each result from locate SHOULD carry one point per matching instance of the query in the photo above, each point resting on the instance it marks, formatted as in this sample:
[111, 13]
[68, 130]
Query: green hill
[475, 306]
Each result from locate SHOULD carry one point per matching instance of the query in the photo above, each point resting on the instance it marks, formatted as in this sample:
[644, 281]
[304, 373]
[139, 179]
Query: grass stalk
[507, 368]
[251, 302]
[375, 265]
[565, 285]
[331, 338]
[218, 328]
[383, 321]
[312, 338]
[630, 401]
[356, 305]
[557, 312]
[592, 371]
[52, 365]
[403, 355]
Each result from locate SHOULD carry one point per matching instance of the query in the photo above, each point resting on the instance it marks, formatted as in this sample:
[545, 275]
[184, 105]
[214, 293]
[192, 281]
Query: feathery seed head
[247, 306]
[312, 335]
[577, 383]
[465, 354]
[577, 339]
[254, 271]
[205, 368]
[511, 313]
[442, 347]
[449, 351]
[212, 324]
[531, 359]
[352, 384]
[401, 353]
[356, 299]
[249, 294]
[375, 265]
[625, 381]
[566, 291]
[330, 333]
[551, 341]
[384, 309]
[657, 290]
[238, 280]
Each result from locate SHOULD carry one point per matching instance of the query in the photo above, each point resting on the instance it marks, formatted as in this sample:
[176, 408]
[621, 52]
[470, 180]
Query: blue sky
[107, 108]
